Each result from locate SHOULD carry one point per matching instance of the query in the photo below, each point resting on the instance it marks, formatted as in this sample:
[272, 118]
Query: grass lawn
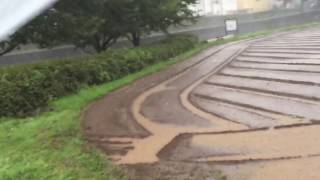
[50, 146]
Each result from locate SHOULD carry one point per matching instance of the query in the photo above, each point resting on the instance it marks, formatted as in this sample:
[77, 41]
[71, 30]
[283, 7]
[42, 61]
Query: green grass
[50, 146]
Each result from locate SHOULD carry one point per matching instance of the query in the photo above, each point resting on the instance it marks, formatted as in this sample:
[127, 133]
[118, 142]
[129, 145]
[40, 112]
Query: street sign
[231, 26]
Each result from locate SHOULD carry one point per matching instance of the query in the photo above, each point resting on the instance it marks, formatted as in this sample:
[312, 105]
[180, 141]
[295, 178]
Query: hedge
[27, 89]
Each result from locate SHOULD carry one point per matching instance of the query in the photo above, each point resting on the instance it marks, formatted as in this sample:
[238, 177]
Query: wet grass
[51, 146]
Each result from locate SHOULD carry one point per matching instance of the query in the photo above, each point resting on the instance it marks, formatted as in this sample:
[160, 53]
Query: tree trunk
[136, 39]
[103, 43]
[6, 47]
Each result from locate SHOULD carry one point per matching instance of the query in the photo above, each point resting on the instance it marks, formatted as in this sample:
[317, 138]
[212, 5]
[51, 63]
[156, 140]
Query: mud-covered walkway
[250, 109]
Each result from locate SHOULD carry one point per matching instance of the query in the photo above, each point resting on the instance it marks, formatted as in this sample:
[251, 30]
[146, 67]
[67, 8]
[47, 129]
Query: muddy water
[162, 123]
[269, 144]
[299, 169]
[294, 169]
[252, 115]
[163, 134]
[165, 129]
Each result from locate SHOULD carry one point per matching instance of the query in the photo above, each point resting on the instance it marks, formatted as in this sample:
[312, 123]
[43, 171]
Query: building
[215, 7]
[252, 6]
[224, 7]
[286, 4]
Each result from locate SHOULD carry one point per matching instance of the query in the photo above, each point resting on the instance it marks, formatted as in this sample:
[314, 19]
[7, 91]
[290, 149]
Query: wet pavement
[250, 109]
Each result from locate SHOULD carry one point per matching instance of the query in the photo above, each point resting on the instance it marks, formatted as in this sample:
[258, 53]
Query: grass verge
[51, 146]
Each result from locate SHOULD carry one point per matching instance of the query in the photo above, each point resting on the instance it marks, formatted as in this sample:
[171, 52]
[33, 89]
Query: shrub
[25, 89]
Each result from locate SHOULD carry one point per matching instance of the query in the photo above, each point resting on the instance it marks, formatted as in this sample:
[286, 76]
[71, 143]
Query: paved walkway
[251, 109]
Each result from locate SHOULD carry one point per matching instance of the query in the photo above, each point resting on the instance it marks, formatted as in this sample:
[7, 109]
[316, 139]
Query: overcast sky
[16, 13]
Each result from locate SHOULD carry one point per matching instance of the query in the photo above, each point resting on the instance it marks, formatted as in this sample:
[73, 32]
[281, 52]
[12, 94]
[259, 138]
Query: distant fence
[207, 28]
[259, 24]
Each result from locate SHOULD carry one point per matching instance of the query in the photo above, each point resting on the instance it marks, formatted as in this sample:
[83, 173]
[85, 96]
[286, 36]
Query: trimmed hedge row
[25, 89]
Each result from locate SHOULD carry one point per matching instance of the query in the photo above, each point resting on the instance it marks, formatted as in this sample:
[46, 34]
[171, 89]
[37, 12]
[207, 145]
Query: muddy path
[247, 109]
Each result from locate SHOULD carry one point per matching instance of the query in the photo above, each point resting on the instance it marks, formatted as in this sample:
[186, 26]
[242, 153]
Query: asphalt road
[206, 28]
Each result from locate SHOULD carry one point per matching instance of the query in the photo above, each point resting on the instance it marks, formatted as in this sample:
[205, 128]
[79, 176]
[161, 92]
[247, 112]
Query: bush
[25, 89]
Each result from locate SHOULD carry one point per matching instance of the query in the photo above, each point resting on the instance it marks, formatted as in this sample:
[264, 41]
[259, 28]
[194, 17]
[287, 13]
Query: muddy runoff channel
[249, 109]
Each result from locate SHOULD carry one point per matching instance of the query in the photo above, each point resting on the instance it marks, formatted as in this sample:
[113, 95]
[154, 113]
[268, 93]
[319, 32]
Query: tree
[146, 16]
[98, 24]
[91, 23]
[86, 24]
[38, 31]
[10, 44]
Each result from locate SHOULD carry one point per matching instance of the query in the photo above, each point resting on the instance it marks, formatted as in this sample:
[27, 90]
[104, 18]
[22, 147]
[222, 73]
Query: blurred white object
[16, 13]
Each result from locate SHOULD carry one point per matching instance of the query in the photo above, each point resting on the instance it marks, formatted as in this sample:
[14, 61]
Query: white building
[216, 7]
[288, 4]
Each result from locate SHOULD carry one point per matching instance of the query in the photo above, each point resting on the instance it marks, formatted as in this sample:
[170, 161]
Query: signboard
[231, 26]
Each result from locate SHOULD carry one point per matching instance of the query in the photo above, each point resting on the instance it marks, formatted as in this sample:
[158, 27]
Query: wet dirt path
[159, 138]
[249, 109]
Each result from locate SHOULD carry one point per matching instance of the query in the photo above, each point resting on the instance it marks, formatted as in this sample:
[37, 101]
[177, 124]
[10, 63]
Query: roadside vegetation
[27, 89]
[50, 145]
[96, 25]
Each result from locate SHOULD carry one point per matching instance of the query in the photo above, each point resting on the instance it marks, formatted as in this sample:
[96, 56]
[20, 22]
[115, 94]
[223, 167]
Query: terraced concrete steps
[261, 101]
[267, 86]
[281, 67]
[294, 51]
[271, 60]
[283, 76]
[283, 55]
[235, 113]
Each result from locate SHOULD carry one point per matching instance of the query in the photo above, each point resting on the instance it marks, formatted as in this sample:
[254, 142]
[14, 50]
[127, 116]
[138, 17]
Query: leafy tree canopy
[98, 24]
